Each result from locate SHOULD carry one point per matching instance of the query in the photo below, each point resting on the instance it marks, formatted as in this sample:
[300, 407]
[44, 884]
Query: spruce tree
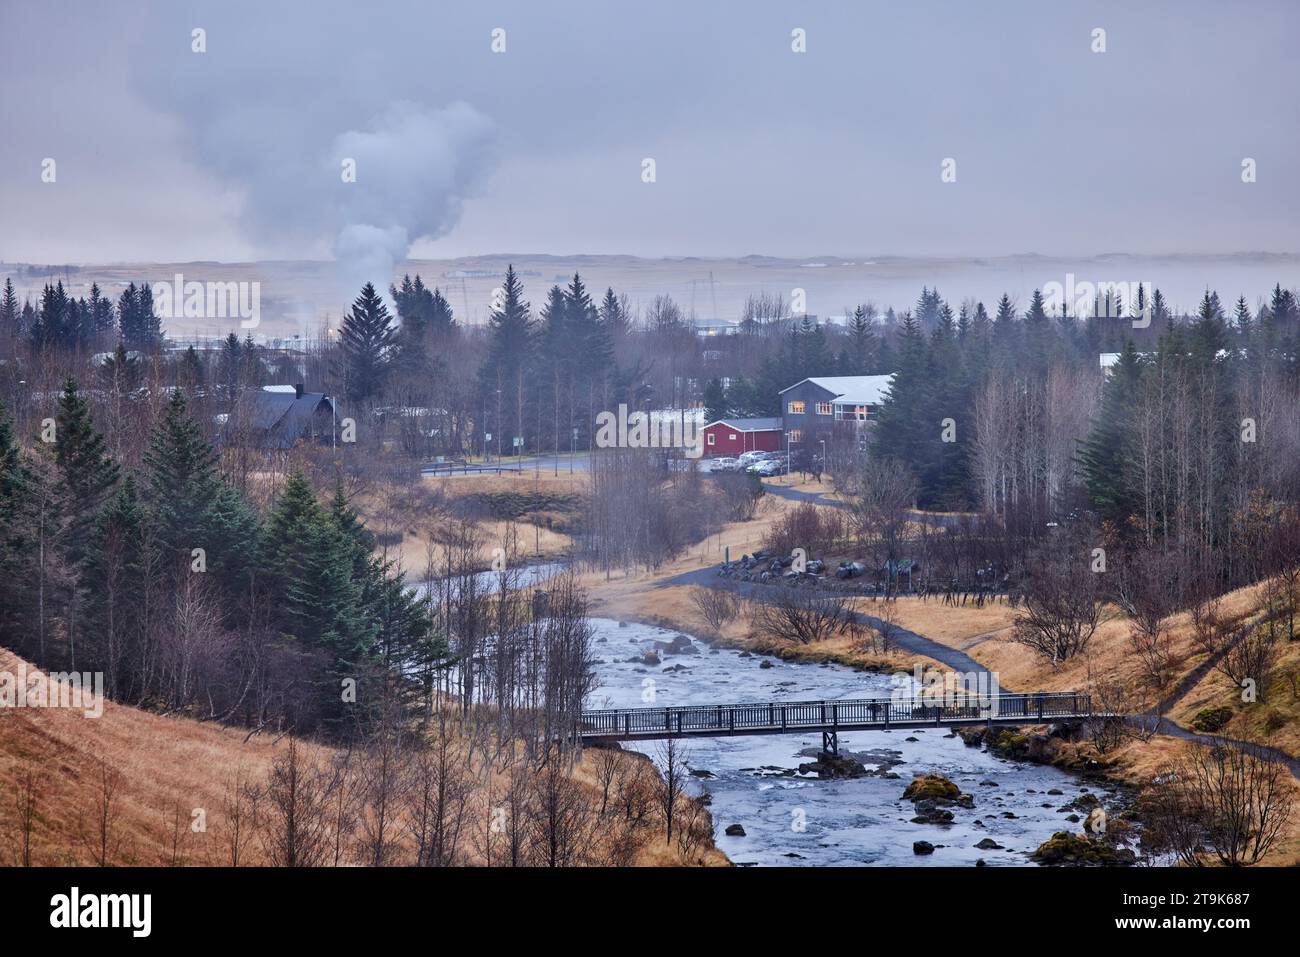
[116, 586]
[10, 312]
[294, 511]
[86, 473]
[715, 401]
[555, 360]
[1110, 450]
[862, 352]
[504, 368]
[181, 481]
[367, 343]
[16, 543]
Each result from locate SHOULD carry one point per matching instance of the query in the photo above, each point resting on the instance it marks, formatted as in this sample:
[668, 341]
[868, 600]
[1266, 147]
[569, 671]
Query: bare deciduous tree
[26, 800]
[716, 606]
[239, 808]
[671, 755]
[1249, 660]
[1227, 800]
[102, 834]
[801, 616]
[298, 812]
[1060, 596]
[437, 797]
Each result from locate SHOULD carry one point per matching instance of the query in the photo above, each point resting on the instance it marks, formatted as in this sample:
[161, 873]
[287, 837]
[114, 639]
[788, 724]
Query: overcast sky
[167, 154]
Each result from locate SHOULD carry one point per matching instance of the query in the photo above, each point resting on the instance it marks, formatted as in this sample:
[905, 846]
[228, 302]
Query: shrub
[1210, 720]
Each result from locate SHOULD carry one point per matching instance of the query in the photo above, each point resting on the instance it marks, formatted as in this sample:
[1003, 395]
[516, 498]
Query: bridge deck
[846, 714]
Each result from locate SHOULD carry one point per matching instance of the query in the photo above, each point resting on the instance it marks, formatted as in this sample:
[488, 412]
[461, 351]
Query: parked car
[748, 459]
[768, 468]
[724, 464]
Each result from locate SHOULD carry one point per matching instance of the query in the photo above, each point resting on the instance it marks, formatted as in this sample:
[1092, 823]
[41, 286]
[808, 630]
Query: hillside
[153, 772]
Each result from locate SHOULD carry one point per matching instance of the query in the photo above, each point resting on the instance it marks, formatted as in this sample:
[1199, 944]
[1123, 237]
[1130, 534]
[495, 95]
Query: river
[795, 819]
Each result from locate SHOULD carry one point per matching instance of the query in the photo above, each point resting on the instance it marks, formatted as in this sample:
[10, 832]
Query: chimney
[297, 390]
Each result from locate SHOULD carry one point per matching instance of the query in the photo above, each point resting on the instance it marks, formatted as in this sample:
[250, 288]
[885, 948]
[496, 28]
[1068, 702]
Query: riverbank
[982, 636]
[773, 803]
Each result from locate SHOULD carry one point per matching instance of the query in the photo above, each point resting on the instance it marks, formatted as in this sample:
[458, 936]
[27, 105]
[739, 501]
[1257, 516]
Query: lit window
[794, 435]
[796, 408]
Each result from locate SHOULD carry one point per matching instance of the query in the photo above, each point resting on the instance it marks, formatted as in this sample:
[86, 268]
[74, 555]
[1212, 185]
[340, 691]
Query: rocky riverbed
[776, 801]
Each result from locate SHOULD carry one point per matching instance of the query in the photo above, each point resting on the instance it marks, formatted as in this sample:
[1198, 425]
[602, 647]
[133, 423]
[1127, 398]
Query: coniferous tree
[367, 343]
[101, 314]
[863, 338]
[10, 313]
[86, 472]
[715, 401]
[902, 430]
[140, 326]
[52, 329]
[1110, 449]
[592, 345]
[118, 588]
[504, 369]
[16, 543]
[555, 361]
[181, 483]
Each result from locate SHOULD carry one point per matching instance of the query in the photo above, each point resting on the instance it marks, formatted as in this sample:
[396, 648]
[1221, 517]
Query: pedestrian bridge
[830, 717]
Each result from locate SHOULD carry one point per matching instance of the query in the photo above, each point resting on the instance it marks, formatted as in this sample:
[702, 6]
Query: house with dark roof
[279, 417]
[734, 436]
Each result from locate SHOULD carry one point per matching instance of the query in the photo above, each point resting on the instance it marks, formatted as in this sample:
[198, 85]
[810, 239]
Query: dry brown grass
[1274, 719]
[164, 764]
[526, 481]
[1109, 653]
[960, 627]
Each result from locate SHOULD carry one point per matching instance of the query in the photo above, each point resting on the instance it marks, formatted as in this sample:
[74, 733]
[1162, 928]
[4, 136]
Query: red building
[733, 436]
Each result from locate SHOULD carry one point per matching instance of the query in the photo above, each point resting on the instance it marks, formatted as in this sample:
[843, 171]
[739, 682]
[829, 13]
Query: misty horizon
[775, 134]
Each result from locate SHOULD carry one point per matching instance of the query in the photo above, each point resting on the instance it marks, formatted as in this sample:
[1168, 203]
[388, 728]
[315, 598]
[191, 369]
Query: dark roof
[750, 425]
[284, 417]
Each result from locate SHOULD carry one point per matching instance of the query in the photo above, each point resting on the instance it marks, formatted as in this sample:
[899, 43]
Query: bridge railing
[785, 715]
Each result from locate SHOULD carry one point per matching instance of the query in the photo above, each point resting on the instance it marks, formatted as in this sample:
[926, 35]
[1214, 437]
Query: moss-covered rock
[1079, 850]
[1210, 720]
[934, 787]
[932, 793]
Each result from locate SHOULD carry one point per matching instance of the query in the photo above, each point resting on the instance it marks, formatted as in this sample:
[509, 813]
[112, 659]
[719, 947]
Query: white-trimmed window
[796, 407]
[794, 436]
[711, 438]
[824, 408]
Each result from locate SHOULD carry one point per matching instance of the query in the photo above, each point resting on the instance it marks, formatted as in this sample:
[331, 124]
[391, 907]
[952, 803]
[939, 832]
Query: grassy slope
[163, 763]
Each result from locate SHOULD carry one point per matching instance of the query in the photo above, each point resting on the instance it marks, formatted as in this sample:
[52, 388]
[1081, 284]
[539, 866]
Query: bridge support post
[831, 742]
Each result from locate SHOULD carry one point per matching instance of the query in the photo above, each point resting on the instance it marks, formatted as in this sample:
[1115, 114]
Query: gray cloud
[759, 150]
